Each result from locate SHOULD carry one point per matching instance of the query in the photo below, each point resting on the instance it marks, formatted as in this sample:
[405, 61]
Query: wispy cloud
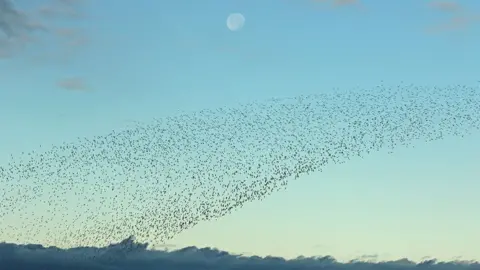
[447, 6]
[45, 22]
[345, 2]
[43, 32]
[458, 17]
[338, 3]
[12, 21]
[73, 84]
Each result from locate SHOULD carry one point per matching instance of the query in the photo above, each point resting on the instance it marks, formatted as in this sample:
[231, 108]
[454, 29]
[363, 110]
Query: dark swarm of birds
[160, 178]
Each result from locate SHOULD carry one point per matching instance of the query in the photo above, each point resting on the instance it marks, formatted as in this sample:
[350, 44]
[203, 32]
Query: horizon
[74, 73]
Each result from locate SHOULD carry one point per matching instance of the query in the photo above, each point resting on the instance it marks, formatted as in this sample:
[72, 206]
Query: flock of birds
[160, 178]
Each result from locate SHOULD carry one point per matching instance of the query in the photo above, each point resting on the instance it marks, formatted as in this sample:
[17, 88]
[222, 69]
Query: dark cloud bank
[132, 255]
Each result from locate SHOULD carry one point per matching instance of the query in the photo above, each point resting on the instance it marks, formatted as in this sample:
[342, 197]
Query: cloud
[338, 3]
[345, 2]
[129, 255]
[12, 22]
[447, 6]
[15, 28]
[456, 23]
[48, 33]
[73, 84]
[459, 17]
[45, 28]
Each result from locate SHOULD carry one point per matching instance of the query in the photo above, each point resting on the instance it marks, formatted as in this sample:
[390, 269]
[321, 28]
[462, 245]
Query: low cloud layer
[129, 255]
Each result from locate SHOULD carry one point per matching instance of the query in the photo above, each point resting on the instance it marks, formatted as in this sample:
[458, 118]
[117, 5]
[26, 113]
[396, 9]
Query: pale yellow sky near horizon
[415, 203]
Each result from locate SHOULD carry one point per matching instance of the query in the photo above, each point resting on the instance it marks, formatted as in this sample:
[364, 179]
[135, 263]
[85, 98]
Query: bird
[160, 178]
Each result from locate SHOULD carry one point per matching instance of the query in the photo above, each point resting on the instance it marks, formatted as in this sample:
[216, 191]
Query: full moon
[235, 21]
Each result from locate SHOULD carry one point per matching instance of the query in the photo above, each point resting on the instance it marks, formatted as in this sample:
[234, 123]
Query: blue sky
[132, 62]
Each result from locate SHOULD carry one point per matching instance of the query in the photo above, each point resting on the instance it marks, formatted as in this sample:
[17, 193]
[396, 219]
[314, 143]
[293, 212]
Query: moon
[235, 21]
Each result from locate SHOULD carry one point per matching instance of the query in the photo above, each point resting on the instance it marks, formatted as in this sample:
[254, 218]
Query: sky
[83, 68]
